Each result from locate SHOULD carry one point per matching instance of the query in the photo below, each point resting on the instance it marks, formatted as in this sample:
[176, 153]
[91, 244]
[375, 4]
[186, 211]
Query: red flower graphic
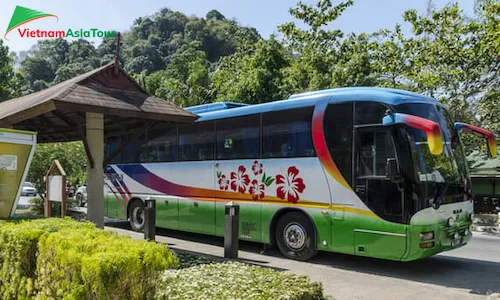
[290, 186]
[257, 190]
[257, 168]
[240, 180]
[223, 183]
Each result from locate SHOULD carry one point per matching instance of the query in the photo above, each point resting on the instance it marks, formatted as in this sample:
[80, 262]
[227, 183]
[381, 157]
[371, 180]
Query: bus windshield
[443, 178]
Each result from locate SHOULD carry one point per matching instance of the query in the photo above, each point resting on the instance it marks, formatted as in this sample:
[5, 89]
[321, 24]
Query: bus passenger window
[238, 138]
[132, 153]
[111, 146]
[162, 144]
[196, 141]
[287, 133]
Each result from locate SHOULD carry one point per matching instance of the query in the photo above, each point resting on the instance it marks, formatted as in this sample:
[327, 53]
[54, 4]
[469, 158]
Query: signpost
[56, 188]
[16, 151]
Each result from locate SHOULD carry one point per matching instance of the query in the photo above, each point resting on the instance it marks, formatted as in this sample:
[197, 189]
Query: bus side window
[112, 145]
[287, 133]
[238, 138]
[196, 141]
[132, 153]
[162, 144]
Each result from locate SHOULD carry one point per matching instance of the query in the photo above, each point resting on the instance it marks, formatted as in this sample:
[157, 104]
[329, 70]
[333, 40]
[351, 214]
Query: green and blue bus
[364, 171]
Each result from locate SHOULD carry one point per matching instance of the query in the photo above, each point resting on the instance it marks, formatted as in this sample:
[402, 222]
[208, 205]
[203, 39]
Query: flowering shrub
[206, 279]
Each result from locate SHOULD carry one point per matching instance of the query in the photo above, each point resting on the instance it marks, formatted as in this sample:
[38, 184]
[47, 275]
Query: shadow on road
[477, 276]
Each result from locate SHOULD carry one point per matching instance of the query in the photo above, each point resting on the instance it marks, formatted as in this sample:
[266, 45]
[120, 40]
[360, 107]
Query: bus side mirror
[431, 129]
[488, 135]
[391, 170]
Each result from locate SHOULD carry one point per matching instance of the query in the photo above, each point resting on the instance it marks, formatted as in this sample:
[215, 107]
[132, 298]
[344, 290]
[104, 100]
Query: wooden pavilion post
[95, 171]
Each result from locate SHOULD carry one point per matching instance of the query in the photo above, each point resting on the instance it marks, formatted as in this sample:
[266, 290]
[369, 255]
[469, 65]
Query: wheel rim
[138, 217]
[295, 236]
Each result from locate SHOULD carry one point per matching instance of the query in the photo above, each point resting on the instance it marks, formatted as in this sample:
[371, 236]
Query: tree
[323, 58]
[35, 69]
[185, 81]
[54, 51]
[70, 70]
[254, 74]
[84, 52]
[215, 14]
[392, 58]
[7, 88]
[451, 57]
[71, 156]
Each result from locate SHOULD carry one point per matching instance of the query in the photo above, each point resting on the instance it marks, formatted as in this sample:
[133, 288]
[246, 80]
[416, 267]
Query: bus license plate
[455, 243]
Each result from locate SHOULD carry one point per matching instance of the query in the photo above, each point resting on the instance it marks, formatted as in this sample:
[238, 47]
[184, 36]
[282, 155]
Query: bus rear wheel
[137, 214]
[295, 236]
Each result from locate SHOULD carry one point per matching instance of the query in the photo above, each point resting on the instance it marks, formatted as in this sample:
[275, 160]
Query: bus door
[376, 183]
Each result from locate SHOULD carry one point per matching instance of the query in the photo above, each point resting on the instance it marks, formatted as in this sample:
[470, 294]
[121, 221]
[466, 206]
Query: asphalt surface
[23, 202]
[470, 272]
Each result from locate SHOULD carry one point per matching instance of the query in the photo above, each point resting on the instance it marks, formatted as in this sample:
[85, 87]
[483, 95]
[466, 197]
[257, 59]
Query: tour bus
[365, 171]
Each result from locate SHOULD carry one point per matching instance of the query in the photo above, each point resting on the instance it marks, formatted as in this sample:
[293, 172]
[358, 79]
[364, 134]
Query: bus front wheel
[295, 236]
[137, 215]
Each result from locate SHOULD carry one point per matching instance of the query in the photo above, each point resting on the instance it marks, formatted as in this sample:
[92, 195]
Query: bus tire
[295, 236]
[137, 215]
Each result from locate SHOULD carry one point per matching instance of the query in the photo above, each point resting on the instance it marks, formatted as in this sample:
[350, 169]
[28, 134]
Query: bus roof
[220, 110]
[216, 106]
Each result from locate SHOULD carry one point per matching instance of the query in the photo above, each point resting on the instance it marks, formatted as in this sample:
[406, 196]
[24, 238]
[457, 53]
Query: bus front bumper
[427, 240]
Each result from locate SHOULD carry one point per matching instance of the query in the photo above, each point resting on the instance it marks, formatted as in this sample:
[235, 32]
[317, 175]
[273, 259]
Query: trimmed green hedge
[18, 251]
[96, 264]
[234, 280]
[62, 258]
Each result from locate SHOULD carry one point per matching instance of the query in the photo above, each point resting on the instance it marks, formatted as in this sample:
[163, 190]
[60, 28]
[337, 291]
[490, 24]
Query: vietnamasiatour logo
[23, 15]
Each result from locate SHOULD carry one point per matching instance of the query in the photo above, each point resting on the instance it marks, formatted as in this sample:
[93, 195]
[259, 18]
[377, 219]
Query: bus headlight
[450, 222]
[429, 235]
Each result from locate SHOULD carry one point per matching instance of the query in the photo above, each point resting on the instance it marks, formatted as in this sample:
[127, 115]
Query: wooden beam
[40, 122]
[44, 121]
[87, 151]
[138, 114]
[122, 147]
[29, 113]
[64, 118]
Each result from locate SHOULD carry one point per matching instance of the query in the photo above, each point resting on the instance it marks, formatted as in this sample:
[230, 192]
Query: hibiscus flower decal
[257, 168]
[290, 185]
[239, 180]
[223, 183]
[257, 190]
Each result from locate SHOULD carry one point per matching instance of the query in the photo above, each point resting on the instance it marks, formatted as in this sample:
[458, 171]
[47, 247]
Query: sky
[264, 15]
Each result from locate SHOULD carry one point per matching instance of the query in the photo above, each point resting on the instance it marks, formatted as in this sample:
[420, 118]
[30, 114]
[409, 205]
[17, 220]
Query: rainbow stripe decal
[145, 177]
[492, 144]
[320, 144]
[431, 128]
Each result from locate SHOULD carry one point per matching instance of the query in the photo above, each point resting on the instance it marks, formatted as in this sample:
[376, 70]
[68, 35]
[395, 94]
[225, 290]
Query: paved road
[23, 201]
[471, 272]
